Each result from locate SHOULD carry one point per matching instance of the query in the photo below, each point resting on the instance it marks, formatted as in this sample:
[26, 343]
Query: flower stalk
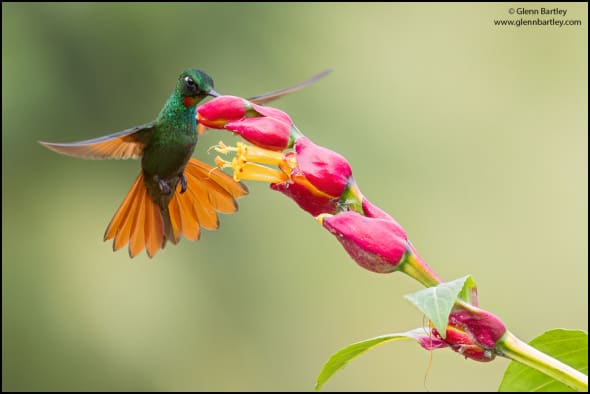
[416, 268]
[511, 347]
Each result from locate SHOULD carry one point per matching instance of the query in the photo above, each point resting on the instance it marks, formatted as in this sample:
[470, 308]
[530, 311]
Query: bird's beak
[213, 93]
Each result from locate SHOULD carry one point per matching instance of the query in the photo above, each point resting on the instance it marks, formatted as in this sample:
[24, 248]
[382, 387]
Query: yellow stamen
[222, 148]
[257, 172]
[258, 155]
[246, 163]
[288, 163]
[220, 163]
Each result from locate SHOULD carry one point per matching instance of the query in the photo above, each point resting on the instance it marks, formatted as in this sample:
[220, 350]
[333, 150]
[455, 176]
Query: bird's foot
[163, 185]
[182, 182]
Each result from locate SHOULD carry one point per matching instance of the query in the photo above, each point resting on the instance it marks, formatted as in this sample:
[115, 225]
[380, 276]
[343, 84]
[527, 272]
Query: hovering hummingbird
[174, 193]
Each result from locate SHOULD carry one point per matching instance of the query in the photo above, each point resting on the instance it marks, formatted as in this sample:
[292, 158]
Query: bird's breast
[166, 157]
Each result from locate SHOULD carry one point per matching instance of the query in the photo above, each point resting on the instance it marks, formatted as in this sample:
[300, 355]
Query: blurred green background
[473, 136]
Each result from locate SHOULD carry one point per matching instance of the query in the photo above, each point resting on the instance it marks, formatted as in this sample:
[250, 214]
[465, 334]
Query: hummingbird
[174, 194]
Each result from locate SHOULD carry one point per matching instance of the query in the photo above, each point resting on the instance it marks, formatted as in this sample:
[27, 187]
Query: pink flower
[460, 342]
[314, 177]
[314, 204]
[378, 245]
[374, 211]
[484, 327]
[221, 110]
[318, 177]
[472, 332]
[268, 133]
[265, 127]
[325, 169]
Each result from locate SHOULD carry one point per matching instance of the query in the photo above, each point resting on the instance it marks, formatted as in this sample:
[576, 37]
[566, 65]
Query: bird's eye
[189, 81]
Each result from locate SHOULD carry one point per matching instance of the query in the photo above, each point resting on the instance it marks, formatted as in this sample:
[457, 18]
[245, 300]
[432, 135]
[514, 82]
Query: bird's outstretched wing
[121, 145]
[276, 94]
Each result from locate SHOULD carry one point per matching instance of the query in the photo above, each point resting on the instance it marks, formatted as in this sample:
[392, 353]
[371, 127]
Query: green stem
[513, 348]
[416, 268]
[293, 135]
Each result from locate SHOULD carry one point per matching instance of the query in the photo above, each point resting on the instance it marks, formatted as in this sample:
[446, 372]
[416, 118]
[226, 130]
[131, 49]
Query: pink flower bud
[375, 244]
[325, 169]
[471, 331]
[307, 200]
[271, 112]
[484, 327]
[431, 342]
[317, 179]
[267, 133]
[374, 211]
[460, 342]
[265, 127]
[221, 110]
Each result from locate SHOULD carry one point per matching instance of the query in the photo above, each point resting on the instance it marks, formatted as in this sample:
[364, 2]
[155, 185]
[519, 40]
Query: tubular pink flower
[309, 175]
[267, 133]
[325, 169]
[484, 327]
[460, 342]
[431, 342]
[377, 245]
[221, 110]
[374, 211]
[471, 331]
[266, 127]
[271, 112]
[307, 200]
[318, 177]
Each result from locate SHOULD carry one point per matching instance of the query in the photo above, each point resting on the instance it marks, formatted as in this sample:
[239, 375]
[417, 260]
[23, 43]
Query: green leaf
[469, 291]
[568, 346]
[437, 302]
[343, 356]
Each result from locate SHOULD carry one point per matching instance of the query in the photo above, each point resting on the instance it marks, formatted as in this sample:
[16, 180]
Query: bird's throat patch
[190, 101]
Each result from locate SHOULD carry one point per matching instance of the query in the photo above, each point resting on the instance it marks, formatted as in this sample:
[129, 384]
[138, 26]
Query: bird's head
[194, 85]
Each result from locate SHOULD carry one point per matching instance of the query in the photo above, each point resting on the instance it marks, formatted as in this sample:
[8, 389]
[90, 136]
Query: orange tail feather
[203, 211]
[189, 221]
[137, 241]
[140, 222]
[175, 229]
[208, 190]
[220, 188]
[154, 239]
